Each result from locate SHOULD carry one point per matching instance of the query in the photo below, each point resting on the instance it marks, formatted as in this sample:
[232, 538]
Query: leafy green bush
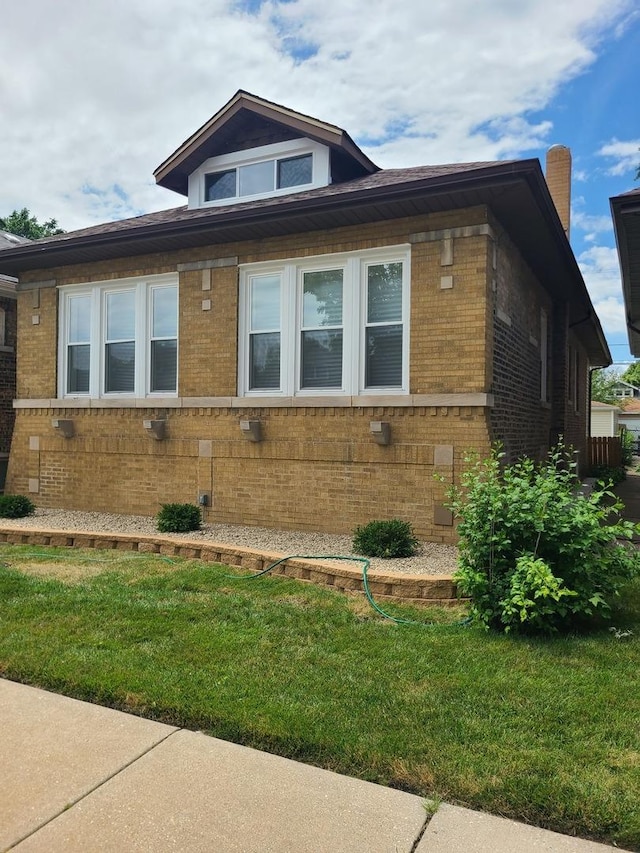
[628, 447]
[16, 506]
[178, 518]
[607, 475]
[536, 554]
[392, 538]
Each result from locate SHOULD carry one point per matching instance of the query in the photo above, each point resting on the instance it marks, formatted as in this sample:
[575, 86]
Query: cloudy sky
[94, 95]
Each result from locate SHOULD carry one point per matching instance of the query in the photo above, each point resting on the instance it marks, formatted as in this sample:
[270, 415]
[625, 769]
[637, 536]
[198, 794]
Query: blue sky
[598, 116]
[95, 95]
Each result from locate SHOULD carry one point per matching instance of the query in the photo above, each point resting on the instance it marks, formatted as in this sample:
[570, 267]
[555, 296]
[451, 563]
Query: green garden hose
[363, 560]
[365, 582]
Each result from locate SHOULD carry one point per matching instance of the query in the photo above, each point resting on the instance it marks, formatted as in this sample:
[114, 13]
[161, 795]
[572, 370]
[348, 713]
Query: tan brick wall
[37, 344]
[7, 374]
[316, 469]
[209, 338]
[448, 326]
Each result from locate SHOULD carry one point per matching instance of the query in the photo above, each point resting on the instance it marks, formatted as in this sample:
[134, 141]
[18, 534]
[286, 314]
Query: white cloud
[95, 95]
[626, 155]
[593, 225]
[611, 314]
[599, 266]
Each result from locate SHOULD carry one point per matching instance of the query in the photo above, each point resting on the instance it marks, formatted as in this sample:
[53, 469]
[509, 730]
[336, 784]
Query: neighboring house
[625, 210]
[629, 417]
[8, 315]
[604, 419]
[309, 340]
[625, 390]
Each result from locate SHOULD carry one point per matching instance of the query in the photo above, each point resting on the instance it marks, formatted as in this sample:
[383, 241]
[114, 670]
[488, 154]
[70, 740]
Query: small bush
[607, 475]
[393, 538]
[535, 554]
[628, 448]
[16, 506]
[178, 518]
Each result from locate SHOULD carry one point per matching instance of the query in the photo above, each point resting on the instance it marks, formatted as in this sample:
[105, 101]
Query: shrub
[392, 538]
[16, 506]
[535, 554]
[178, 518]
[628, 447]
[607, 475]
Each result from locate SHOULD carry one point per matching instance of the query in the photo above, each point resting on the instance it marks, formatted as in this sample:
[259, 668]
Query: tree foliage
[632, 374]
[23, 224]
[603, 384]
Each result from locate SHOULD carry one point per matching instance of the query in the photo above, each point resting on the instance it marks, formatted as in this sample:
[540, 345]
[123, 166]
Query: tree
[632, 374]
[21, 222]
[603, 386]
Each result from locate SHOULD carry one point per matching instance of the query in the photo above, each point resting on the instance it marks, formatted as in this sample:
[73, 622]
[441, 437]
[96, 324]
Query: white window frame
[278, 151]
[291, 274]
[143, 287]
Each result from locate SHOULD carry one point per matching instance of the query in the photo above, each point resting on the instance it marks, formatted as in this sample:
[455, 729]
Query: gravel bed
[432, 559]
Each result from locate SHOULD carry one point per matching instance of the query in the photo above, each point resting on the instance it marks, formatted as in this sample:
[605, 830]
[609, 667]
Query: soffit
[625, 210]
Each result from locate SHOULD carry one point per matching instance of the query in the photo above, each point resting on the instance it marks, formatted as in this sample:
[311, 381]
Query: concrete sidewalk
[80, 778]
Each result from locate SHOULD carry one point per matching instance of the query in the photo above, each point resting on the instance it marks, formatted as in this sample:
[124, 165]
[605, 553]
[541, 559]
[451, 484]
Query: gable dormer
[253, 149]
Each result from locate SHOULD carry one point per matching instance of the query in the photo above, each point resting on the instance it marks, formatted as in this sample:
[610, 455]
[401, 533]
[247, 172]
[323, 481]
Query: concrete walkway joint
[79, 778]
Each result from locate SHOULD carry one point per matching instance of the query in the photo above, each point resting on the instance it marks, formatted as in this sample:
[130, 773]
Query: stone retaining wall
[410, 589]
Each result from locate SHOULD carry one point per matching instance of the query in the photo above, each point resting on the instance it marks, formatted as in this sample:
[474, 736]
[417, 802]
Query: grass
[544, 731]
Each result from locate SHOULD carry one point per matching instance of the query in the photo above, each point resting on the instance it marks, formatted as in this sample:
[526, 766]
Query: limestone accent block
[443, 454]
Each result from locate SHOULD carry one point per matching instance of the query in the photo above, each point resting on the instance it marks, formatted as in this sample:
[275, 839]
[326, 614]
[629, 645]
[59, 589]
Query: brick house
[306, 342]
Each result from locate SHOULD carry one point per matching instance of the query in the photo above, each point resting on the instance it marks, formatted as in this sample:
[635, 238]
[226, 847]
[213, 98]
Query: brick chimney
[558, 174]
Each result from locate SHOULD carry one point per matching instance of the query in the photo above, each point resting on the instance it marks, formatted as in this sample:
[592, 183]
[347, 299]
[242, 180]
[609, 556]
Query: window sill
[400, 400]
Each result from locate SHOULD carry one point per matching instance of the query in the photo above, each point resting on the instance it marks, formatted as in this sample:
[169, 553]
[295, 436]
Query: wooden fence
[605, 450]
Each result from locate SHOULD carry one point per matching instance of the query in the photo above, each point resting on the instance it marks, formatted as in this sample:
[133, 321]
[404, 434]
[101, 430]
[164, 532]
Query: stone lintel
[214, 263]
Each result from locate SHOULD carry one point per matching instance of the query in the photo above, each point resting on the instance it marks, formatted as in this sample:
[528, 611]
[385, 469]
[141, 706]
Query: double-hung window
[119, 338]
[322, 332]
[334, 324]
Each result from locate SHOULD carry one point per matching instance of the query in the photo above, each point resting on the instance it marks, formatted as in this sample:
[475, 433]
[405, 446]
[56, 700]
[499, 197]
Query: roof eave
[327, 134]
[627, 235]
[508, 177]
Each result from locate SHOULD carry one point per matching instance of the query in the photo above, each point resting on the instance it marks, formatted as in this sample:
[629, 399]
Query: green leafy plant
[16, 506]
[391, 538]
[628, 446]
[608, 475]
[178, 518]
[535, 553]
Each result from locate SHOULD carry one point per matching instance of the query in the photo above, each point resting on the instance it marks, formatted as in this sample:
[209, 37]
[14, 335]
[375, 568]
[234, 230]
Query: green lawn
[546, 731]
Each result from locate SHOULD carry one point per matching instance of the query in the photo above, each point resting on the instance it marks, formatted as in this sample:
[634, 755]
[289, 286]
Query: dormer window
[264, 172]
[259, 178]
